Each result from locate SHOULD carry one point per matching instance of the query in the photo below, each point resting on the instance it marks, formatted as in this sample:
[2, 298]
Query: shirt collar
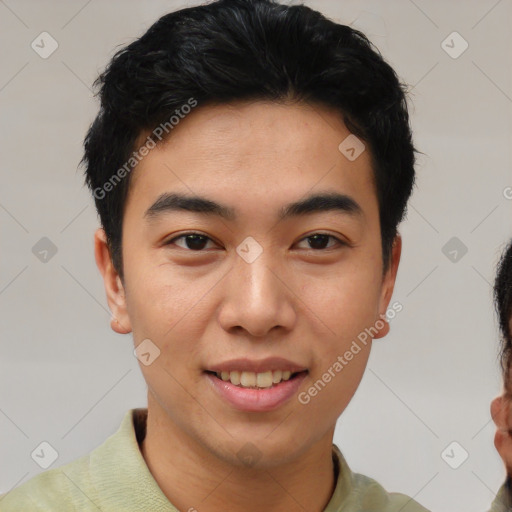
[119, 472]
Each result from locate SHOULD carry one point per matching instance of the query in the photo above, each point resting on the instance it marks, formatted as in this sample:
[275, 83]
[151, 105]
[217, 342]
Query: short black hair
[503, 305]
[230, 50]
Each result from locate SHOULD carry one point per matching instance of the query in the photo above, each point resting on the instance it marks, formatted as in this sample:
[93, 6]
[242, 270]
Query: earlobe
[496, 412]
[383, 327]
[116, 298]
[116, 326]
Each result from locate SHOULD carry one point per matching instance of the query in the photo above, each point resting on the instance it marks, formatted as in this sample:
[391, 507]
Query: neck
[195, 479]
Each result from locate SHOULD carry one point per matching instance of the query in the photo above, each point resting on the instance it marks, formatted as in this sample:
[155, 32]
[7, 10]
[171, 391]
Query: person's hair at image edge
[503, 304]
[235, 50]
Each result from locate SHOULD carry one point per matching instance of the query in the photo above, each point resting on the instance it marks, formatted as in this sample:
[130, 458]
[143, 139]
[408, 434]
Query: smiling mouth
[253, 380]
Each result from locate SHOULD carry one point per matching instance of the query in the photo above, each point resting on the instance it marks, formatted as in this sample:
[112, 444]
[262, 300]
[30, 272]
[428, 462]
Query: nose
[258, 298]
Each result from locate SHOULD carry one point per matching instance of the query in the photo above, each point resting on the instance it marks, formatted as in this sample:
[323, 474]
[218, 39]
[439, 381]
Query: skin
[501, 413]
[293, 301]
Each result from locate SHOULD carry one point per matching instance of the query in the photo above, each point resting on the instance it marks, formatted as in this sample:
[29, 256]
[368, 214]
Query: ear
[498, 413]
[116, 298]
[388, 284]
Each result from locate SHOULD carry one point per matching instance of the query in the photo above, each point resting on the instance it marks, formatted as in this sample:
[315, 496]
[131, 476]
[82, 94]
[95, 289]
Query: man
[500, 407]
[250, 165]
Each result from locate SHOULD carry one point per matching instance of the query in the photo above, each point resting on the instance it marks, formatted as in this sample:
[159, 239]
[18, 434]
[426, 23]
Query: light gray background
[66, 378]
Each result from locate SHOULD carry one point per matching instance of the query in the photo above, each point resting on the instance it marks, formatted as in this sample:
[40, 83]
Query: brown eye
[319, 241]
[191, 241]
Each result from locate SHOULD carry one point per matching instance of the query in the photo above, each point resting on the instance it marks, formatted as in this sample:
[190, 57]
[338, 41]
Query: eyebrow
[315, 203]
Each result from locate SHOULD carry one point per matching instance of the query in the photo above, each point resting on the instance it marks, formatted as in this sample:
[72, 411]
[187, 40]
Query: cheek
[333, 385]
[345, 311]
[173, 313]
[347, 301]
[162, 302]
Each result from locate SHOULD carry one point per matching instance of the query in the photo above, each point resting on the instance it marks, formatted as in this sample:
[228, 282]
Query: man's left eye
[320, 240]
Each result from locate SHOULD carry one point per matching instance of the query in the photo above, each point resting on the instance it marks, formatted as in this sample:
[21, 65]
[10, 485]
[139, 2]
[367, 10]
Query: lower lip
[257, 400]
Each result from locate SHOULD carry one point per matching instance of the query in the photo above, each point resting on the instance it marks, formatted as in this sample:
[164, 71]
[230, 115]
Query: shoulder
[372, 497]
[357, 492]
[503, 500]
[58, 487]
[112, 476]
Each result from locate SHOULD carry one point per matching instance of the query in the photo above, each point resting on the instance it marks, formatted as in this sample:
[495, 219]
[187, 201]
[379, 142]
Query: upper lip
[257, 366]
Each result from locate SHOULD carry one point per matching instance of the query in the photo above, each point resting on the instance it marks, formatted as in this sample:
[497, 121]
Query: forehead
[260, 128]
[254, 148]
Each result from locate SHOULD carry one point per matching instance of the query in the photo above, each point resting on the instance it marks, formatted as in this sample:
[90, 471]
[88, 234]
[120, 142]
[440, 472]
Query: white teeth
[252, 379]
[248, 379]
[234, 378]
[264, 380]
[276, 376]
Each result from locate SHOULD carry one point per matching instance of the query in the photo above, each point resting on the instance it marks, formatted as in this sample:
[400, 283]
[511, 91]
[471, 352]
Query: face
[249, 283]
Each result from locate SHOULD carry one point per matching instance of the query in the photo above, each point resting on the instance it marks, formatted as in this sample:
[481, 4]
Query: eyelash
[340, 243]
